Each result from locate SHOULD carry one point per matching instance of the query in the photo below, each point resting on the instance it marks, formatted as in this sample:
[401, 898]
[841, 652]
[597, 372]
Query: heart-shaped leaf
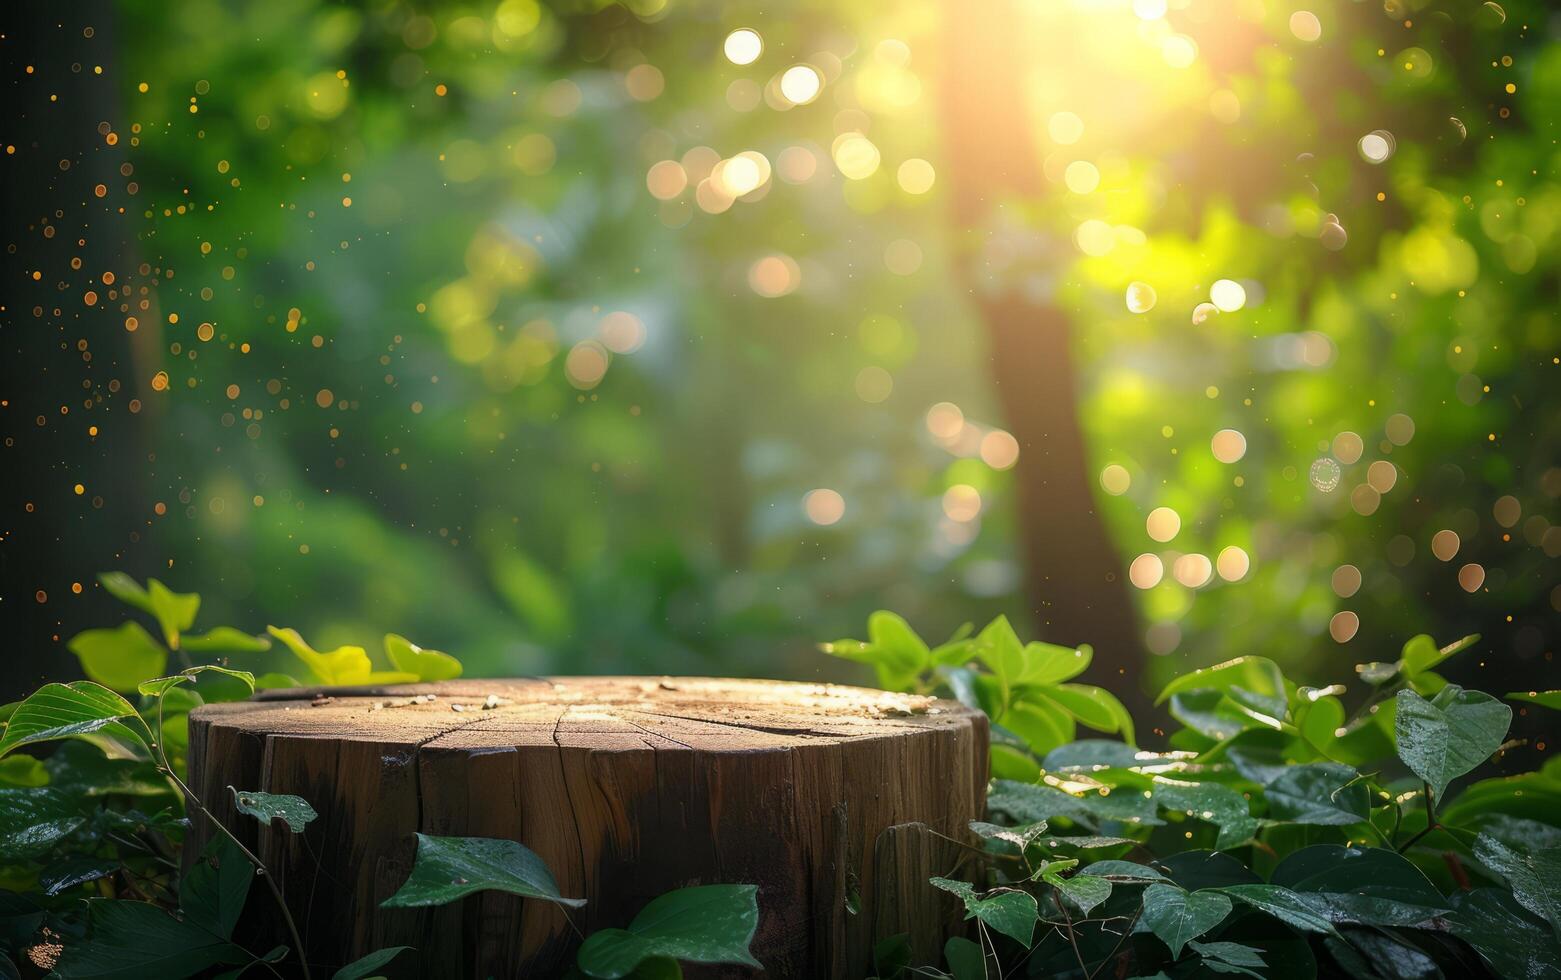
[1535, 877]
[703, 924]
[1369, 885]
[1083, 891]
[1325, 793]
[1291, 908]
[1007, 910]
[448, 868]
[1127, 872]
[1441, 739]
[295, 811]
[1178, 916]
[212, 893]
[131, 940]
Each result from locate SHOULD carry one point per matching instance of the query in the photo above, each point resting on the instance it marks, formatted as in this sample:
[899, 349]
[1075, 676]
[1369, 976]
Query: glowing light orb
[743, 46]
[800, 84]
[1228, 295]
[1140, 297]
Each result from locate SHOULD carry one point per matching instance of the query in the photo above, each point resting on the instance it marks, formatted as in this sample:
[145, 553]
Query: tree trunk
[829, 798]
[1078, 592]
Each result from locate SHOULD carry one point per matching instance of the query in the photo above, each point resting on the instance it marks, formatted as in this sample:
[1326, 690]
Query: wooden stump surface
[834, 800]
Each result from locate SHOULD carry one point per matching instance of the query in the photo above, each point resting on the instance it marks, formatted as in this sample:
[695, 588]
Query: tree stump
[835, 801]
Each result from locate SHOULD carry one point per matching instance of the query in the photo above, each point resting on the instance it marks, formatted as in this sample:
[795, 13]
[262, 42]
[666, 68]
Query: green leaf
[369, 964]
[1369, 885]
[162, 685]
[1254, 681]
[63, 710]
[126, 590]
[1126, 872]
[1216, 803]
[67, 873]
[1215, 715]
[1324, 793]
[703, 924]
[1043, 725]
[23, 770]
[998, 647]
[119, 658]
[1083, 891]
[1421, 654]
[212, 893]
[137, 940]
[1178, 916]
[965, 959]
[272, 681]
[33, 821]
[295, 811]
[1319, 720]
[1020, 837]
[1514, 944]
[1009, 911]
[448, 868]
[1535, 878]
[174, 611]
[1545, 699]
[224, 638]
[428, 665]
[1046, 664]
[1291, 908]
[344, 665]
[1441, 739]
[1091, 754]
[1093, 706]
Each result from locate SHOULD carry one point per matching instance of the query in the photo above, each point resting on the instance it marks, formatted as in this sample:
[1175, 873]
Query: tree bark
[1078, 592]
[831, 799]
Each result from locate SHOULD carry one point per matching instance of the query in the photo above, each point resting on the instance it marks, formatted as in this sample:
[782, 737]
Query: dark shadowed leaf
[1390, 958]
[1008, 911]
[33, 821]
[1291, 908]
[368, 965]
[965, 959]
[1324, 793]
[1447, 736]
[67, 873]
[703, 924]
[1083, 891]
[212, 893]
[1370, 885]
[1516, 944]
[295, 811]
[1178, 916]
[1206, 869]
[448, 868]
[1214, 802]
[138, 941]
[1534, 876]
[1127, 872]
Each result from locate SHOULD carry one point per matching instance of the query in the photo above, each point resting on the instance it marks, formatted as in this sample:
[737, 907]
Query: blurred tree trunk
[1078, 592]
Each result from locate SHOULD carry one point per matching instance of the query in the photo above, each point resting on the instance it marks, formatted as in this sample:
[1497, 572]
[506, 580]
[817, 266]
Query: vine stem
[260, 866]
[1072, 940]
[1430, 821]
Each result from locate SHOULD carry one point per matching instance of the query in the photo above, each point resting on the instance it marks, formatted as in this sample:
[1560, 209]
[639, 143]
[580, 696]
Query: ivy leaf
[427, 665]
[1535, 878]
[1253, 681]
[119, 658]
[33, 821]
[1178, 916]
[1516, 945]
[212, 893]
[1082, 891]
[703, 924]
[295, 811]
[224, 638]
[1291, 908]
[1324, 793]
[1545, 699]
[1216, 803]
[159, 686]
[63, 710]
[134, 940]
[448, 868]
[1441, 739]
[369, 964]
[1009, 911]
[1125, 872]
[1369, 885]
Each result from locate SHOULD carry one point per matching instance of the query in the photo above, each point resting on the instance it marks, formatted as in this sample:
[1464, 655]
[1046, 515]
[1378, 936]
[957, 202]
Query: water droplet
[1141, 297]
[1203, 311]
[1325, 475]
[1377, 146]
[1459, 128]
[1497, 10]
[1333, 236]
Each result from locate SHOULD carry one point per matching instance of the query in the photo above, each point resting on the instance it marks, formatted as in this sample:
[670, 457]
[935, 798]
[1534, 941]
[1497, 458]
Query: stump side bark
[837, 802]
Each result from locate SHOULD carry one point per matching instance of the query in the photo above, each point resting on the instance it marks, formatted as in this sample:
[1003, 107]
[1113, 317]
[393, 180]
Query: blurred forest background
[678, 335]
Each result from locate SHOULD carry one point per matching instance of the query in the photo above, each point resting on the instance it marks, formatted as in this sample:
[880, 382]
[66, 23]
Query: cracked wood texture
[836, 801]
